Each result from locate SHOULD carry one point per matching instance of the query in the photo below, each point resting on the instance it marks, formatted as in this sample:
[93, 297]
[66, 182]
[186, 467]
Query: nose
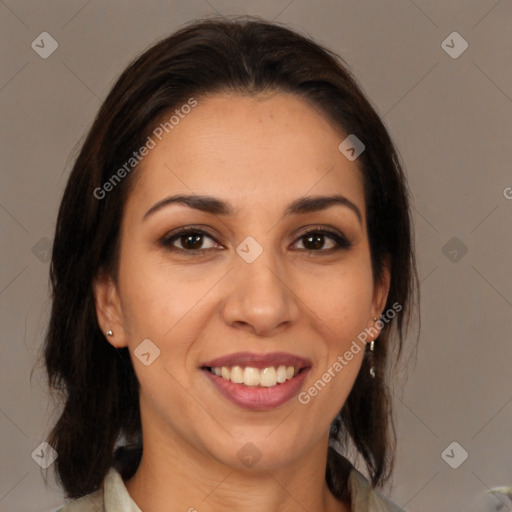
[261, 298]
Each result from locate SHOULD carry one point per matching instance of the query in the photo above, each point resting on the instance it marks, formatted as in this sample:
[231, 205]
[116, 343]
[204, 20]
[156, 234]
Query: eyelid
[319, 227]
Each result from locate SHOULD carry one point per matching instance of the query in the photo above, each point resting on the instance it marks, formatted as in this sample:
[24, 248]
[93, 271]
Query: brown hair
[97, 383]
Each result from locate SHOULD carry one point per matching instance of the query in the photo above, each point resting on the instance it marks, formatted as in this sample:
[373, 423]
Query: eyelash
[341, 241]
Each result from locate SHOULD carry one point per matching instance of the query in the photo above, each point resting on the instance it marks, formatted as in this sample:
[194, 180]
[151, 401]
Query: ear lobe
[108, 310]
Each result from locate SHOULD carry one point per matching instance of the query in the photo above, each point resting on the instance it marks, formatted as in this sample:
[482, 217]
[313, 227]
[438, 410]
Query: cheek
[343, 300]
[343, 308]
[156, 296]
[166, 304]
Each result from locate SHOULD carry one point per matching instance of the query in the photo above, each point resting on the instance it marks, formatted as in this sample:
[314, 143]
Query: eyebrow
[216, 206]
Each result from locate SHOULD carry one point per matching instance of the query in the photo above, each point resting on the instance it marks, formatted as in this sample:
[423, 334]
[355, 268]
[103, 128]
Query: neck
[176, 477]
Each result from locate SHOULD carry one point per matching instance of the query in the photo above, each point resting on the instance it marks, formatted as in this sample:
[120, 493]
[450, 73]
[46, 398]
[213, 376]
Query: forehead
[265, 150]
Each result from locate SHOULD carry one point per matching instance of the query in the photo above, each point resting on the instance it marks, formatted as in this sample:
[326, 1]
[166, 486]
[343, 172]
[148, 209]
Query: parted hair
[98, 424]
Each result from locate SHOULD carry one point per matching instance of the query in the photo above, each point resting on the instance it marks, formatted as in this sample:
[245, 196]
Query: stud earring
[110, 333]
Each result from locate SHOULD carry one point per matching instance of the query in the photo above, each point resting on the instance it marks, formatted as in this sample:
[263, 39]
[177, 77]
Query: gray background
[450, 118]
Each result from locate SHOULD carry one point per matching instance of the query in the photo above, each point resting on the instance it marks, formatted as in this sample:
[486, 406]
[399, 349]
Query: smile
[257, 381]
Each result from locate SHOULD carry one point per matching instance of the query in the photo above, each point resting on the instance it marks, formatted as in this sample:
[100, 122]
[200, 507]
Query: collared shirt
[113, 496]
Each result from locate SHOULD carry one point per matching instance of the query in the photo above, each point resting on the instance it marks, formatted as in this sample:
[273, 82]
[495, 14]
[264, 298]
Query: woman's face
[245, 288]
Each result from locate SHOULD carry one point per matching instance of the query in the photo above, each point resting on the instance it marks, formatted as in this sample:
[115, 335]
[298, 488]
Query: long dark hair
[95, 382]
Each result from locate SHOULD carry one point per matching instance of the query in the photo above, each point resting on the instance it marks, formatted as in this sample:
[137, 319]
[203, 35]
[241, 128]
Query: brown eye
[190, 240]
[314, 240]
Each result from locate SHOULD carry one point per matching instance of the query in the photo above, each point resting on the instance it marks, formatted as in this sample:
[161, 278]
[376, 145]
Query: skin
[259, 154]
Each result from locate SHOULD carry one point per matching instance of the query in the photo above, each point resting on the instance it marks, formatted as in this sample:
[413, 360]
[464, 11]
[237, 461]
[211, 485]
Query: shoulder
[366, 499]
[112, 496]
[356, 487]
[90, 503]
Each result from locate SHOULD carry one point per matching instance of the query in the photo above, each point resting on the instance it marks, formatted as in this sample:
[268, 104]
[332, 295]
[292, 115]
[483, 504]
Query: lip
[259, 361]
[258, 398]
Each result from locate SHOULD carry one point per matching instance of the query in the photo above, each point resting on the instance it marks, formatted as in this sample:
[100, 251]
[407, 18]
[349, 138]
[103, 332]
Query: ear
[108, 310]
[381, 291]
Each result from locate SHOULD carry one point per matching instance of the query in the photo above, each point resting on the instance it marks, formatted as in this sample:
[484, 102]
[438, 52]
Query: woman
[232, 268]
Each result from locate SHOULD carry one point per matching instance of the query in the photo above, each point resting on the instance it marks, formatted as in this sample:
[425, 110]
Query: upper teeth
[249, 376]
